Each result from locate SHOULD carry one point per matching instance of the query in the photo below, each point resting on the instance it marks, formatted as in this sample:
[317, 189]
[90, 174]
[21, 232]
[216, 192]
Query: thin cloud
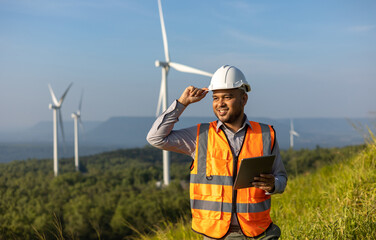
[361, 28]
[245, 7]
[253, 39]
[68, 8]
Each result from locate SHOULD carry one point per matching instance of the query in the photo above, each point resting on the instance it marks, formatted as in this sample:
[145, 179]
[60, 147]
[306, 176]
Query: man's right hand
[192, 94]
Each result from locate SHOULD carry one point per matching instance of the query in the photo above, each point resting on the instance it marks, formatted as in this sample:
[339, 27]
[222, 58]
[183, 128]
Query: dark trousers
[272, 232]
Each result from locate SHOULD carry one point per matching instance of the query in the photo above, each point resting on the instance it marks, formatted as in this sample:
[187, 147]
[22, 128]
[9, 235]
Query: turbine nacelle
[52, 106]
[76, 115]
[161, 64]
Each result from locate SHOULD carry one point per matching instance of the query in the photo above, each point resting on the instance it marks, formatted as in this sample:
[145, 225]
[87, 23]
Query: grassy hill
[337, 201]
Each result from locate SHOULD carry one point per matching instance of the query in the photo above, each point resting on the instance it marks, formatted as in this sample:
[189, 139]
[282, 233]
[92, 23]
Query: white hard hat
[228, 77]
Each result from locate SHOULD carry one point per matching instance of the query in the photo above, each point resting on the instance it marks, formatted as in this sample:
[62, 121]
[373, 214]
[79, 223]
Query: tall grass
[335, 202]
[170, 231]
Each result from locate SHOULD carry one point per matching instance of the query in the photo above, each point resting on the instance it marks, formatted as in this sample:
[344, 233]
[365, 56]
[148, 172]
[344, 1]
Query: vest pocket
[207, 201]
[219, 162]
[209, 191]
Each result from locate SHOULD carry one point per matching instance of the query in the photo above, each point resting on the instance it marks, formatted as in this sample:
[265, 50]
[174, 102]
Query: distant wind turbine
[77, 118]
[162, 100]
[292, 134]
[56, 108]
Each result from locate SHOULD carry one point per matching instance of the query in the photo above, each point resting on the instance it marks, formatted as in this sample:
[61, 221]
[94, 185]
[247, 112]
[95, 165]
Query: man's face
[228, 105]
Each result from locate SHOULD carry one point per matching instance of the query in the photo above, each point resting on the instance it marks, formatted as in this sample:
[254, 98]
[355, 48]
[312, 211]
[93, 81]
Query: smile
[222, 111]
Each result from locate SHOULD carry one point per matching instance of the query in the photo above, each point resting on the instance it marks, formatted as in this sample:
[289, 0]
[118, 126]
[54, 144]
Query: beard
[231, 116]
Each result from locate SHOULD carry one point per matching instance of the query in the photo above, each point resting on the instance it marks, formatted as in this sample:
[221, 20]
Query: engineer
[219, 211]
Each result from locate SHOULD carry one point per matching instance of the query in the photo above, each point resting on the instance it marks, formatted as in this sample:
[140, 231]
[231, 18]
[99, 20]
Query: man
[219, 211]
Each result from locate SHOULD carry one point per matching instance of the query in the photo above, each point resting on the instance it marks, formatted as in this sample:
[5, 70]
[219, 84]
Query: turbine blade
[54, 100]
[160, 98]
[291, 125]
[81, 124]
[61, 124]
[164, 35]
[292, 131]
[80, 104]
[65, 93]
[184, 68]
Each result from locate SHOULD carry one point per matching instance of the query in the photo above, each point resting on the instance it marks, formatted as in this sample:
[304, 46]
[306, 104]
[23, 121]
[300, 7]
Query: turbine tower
[56, 109]
[292, 134]
[77, 118]
[162, 100]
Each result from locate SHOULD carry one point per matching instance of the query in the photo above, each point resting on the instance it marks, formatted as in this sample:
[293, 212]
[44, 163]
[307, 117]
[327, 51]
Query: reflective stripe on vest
[212, 180]
[226, 207]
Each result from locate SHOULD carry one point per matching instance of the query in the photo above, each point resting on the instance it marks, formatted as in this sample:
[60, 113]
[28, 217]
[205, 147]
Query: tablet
[253, 167]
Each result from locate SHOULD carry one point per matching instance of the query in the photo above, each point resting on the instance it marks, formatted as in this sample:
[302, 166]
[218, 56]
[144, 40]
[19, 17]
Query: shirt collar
[246, 122]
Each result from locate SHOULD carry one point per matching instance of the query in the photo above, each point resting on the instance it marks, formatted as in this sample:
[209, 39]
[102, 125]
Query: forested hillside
[115, 196]
[115, 190]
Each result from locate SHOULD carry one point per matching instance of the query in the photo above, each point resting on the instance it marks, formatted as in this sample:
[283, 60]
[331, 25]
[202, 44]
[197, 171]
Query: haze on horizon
[302, 58]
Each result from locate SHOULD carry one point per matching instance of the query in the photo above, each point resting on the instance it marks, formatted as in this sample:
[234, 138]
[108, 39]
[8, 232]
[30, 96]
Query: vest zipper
[234, 192]
[235, 172]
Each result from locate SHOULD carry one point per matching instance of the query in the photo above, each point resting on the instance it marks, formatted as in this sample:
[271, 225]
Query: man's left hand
[265, 182]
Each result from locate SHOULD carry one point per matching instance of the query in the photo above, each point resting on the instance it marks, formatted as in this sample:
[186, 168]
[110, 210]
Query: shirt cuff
[172, 113]
[174, 110]
[179, 108]
[277, 187]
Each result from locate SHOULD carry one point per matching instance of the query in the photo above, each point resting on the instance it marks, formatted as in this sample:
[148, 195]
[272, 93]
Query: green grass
[335, 202]
[170, 231]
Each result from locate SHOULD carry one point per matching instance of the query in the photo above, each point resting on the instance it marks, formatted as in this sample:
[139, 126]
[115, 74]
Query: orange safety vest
[212, 197]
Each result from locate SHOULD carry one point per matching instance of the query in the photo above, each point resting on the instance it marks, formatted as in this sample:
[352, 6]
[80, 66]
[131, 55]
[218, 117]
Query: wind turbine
[292, 134]
[56, 109]
[77, 118]
[162, 100]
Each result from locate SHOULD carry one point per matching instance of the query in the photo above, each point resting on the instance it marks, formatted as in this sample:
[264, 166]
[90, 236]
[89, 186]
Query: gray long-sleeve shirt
[162, 135]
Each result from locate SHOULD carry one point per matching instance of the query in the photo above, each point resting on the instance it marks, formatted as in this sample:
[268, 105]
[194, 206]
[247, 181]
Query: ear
[245, 98]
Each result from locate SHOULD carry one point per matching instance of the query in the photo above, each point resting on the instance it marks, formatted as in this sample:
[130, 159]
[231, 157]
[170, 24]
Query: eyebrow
[224, 95]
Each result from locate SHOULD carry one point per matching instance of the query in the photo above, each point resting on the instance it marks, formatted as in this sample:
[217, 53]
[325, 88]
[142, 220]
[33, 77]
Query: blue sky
[302, 58]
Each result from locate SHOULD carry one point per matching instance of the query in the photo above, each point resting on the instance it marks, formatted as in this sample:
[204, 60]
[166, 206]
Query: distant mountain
[125, 131]
[42, 132]
[129, 132]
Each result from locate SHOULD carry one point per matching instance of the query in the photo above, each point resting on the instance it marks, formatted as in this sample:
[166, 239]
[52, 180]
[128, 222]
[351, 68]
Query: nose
[221, 103]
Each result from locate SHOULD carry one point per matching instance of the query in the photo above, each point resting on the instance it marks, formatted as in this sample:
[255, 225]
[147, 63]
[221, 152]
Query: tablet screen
[253, 167]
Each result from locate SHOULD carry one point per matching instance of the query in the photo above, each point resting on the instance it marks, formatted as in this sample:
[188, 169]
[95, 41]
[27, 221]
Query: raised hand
[192, 94]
